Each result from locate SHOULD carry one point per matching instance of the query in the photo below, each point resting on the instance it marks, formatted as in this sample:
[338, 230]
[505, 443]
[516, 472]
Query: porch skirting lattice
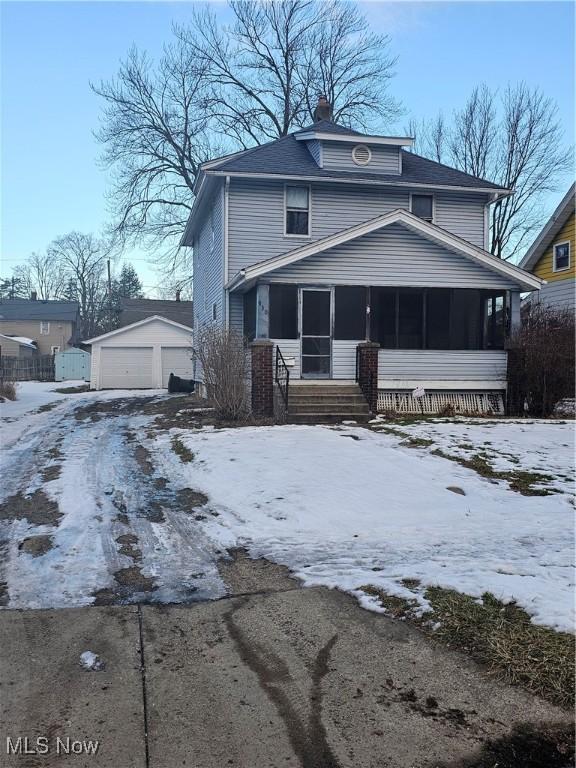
[436, 402]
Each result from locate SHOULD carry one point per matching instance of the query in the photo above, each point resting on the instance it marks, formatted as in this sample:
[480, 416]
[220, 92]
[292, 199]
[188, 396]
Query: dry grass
[519, 480]
[8, 390]
[499, 635]
[73, 390]
[185, 454]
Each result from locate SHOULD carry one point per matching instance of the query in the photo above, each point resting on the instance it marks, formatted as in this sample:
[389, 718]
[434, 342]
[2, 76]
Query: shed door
[176, 360]
[126, 368]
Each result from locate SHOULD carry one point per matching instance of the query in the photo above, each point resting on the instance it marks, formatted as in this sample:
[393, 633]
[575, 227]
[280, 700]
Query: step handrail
[282, 376]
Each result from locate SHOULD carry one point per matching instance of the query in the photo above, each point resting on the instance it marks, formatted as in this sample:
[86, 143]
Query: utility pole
[109, 294]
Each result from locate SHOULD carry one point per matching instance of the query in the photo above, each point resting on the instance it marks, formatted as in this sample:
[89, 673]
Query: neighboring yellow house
[552, 257]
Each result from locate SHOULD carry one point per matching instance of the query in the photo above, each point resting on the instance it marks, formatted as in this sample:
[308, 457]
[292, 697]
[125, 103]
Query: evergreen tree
[128, 285]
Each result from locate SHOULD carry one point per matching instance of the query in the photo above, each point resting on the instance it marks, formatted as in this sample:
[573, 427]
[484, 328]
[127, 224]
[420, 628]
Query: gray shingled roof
[27, 309]
[289, 157]
[133, 310]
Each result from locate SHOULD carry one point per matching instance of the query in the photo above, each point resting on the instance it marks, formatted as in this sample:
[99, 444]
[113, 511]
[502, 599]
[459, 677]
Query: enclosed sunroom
[441, 310]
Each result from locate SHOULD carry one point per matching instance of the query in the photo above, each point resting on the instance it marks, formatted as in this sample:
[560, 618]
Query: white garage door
[126, 368]
[176, 360]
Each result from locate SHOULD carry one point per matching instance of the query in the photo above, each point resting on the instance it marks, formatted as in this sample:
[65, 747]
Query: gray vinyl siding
[338, 155]
[560, 294]
[463, 215]
[290, 349]
[392, 256]
[236, 310]
[444, 365]
[256, 215]
[343, 357]
[315, 149]
[208, 263]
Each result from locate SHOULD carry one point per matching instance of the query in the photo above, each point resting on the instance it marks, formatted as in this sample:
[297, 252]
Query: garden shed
[72, 365]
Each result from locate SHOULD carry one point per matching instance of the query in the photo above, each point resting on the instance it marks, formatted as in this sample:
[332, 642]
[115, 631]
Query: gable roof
[552, 227]
[146, 320]
[289, 156]
[29, 309]
[399, 216]
[132, 310]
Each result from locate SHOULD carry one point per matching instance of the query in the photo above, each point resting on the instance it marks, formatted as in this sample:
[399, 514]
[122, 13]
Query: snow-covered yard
[96, 504]
[345, 506]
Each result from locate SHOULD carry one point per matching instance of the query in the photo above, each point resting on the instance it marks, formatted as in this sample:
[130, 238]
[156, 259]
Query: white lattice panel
[436, 402]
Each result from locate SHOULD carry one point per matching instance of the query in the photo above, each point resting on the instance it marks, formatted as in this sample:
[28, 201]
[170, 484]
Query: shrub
[7, 385]
[222, 355]
[541, 361]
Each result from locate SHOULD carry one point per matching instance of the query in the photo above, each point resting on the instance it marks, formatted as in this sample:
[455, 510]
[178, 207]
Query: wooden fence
[37, 368]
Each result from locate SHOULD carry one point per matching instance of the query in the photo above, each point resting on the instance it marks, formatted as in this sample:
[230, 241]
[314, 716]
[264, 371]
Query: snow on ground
[341, 506]
[102, 493]
[34, 394]
[345, 506]
[540, 446]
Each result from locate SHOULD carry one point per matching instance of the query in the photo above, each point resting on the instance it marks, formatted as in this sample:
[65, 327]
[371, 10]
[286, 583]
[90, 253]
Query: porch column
[368, 372]
[262, 311]
[514, 312]
[262, 377]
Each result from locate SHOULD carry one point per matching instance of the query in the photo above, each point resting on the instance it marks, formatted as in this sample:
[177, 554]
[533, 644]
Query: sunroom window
[298, 211]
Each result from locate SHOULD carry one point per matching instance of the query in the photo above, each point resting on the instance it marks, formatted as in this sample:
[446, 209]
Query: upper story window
[44, 327]
[561, 256]
[422, 206]
[297, 218]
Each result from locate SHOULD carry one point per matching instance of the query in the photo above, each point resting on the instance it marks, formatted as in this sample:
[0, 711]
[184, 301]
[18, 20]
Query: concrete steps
[326, 404]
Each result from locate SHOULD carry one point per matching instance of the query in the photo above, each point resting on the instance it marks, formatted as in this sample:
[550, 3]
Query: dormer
[336, 148]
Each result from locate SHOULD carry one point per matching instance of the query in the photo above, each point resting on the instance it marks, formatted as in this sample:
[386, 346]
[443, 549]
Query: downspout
[226, 218]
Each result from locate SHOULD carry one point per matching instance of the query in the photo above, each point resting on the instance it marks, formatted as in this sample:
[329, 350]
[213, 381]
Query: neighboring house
[141, 355]
[52, 325]
[552, 256]
[16, 346]
[328, 237]
[133, 310]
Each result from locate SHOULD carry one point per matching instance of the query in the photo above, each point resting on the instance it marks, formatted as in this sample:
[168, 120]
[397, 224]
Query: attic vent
[361, 154]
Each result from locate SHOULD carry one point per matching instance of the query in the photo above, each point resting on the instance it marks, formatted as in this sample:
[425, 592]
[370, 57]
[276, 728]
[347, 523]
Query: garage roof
[146, 320]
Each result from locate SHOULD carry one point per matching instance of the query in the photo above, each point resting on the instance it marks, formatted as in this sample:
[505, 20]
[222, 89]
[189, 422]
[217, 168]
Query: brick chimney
[33, 296]
[178, 295]
[323, 110]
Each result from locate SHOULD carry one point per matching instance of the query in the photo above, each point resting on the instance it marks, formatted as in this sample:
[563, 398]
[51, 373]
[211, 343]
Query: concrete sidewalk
[275, 677]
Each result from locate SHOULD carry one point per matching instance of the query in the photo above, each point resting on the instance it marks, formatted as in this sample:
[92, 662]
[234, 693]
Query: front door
[316, 337]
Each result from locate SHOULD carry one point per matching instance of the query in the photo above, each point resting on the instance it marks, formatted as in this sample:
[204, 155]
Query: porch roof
[525, 280]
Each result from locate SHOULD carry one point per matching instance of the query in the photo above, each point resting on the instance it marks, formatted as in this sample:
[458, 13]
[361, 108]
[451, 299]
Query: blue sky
[50, 51]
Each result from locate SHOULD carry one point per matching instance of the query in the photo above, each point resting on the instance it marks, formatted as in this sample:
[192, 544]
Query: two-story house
[52, 324]
[328, 238]
[551, 256]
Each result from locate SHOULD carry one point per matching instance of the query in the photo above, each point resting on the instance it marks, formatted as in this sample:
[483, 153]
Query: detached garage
[141, 355]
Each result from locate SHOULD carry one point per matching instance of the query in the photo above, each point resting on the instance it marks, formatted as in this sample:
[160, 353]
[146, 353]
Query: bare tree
[42, 275]
[82, 260]
[513, 139]
[154, 137]
[220, 88]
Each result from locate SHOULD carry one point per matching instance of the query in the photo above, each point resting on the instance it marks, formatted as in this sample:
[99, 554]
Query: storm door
[316, 337]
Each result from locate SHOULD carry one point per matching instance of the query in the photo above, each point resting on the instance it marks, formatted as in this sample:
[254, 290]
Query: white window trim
[55, 349]
[424, 194]
[44, 324]
[557, 245]
[299, 237]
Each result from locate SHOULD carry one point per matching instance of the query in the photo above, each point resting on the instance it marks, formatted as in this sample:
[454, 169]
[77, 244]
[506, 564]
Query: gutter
[502, 192]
